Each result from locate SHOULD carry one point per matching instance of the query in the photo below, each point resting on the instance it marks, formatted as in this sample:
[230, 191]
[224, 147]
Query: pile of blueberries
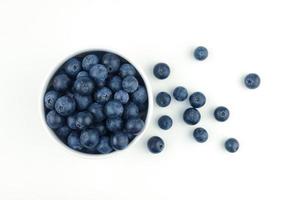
[192, 115]
[96, 103]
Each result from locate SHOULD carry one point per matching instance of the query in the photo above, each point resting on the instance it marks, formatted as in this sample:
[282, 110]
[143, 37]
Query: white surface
[242, 37]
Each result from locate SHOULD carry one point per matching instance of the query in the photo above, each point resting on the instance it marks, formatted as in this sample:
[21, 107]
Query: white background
[242, 37]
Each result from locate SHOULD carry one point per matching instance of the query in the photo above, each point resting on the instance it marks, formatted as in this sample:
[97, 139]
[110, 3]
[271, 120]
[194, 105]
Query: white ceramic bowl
[147, 120]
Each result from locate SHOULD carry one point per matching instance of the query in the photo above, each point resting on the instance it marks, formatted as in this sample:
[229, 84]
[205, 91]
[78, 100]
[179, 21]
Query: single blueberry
[161, 71]
[155, 144]
[119, 141]
[89, 138]
[221, 113]
[61, 82]
[127, 70]
[73, 141]
[130, 84]
[88, 61]
[131, 111]
[71, 122]
[112, 62]
[63, 133]
[134, 125]
[191, 116]
[180, 93]
[165, 122]
[113, 109]
[54, 120]
[201, 53]
[115, 83]
[84, 86]
[197, 99]
[163, 99]
[252, 81]
[103, 95]
[114, 124]
[99, 73]
[231, 145]
[122, 96]
[82, 101]
[65, 105]
[140, 96]
[72, 67]
[82, 74]
[104, 145]
[50, 99]
[200, 134]
[96, 110]
[83, 119]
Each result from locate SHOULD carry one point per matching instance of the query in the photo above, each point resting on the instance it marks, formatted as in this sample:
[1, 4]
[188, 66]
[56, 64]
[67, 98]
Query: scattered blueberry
[197, 100]
[163, 99]
[130, 84]
[115, 83]
[89, 61]
[83, 119]
[180, 93]
[103, 95]
[155, 144]
[252, 81]
[165, 122]
[161, 71]
[134, 125]
[73, 141]
[72, 67]
[50, 99]
[104, 145]
[119, 141]
[99, 73]
[96, 110]
[191, 116]
[221, 113]
[200, 134]
[113, 109]
[54, 120]
[89, 138]
[84, 86]
[231, 145]
[61, 82]
[122, 96]
[112, 62]
[65, 105]
[127, 70]
[201, 53]
[114, 124]
[82, 101]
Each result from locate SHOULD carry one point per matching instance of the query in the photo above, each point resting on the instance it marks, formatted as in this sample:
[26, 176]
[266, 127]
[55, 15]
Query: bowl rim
[87, 155]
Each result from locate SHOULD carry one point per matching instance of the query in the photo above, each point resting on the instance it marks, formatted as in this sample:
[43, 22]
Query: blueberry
[165, 122]
[130, 84]
[72, 67]
[161, 71]
[89, 138]
[155, 144]
[115, 83]
[71, 122]
[99, 73]
[84, 86]
[163, 99]
[119, 141]
[104, 145]
[83, 119]
[113, 109]
[134, 125]
[101, 129]
[180, 93]
[221, 113]
[96, 110]
[231, 145]
[201, 53]
[65, 105]
[88, 61]
[131, 111]
[127, 70]
[61, 82]
[82, 74]
[73, 141]
[54, 120]
[191, 116]
[252, 81]
[112, 62]
[140, 96]
[197, 100]
[50, 99]
[63, 133]
[114, 124]
[122, 96]
[103, 95]
[82, 101]
[200, 134]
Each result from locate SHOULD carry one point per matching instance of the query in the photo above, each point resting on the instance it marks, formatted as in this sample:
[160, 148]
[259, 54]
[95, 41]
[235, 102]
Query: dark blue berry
[83, 119]
[65, 105]
[73, 141]
[50, 99]
[72, 67]
[155, 144]
[88, 61]
[221, 113]
[201, 53]
[200, 134]
[114, 124]
[103, 95]
[84, 86]
[130, 84]
[112, 62]
[163, 99]
[197, 100]
[161, 71]
[127, 70]
[101, 129]
[165, 122]
[54, 120]
[191, 116]
[99, 73]
[134, 125]
[82, 101]
[61, 82]
[119, 141]
[63, 133]
[180, 93]
[231, 145]
[96, 110]
[104, 145]
[131, 111]
[115, 83]
[140, 95]
[122, 96]
[82, 74]
[89, 138]
[252, 81]
[113, 109]
[71, 122]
